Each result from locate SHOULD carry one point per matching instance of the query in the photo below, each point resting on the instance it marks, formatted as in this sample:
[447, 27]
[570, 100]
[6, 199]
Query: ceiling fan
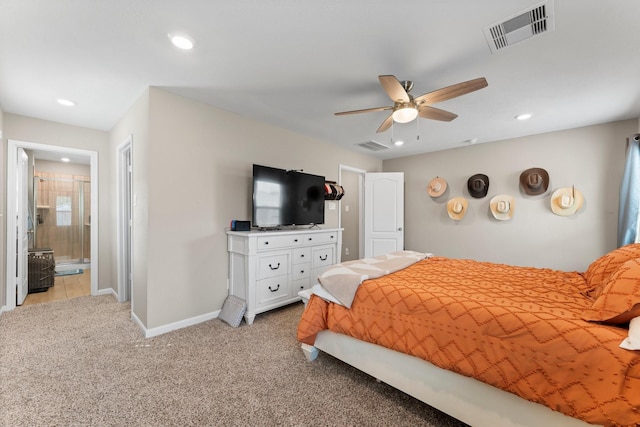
[406, 108]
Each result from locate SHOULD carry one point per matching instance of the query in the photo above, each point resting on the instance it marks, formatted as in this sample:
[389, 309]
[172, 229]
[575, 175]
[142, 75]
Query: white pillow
[632, 342]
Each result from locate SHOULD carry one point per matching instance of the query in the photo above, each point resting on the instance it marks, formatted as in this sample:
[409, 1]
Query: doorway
[47, 152]
[350, 213]
[371, 234]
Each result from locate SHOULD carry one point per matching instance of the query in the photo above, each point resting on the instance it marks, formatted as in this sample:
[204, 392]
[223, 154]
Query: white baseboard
[153, 332]
[108, 291]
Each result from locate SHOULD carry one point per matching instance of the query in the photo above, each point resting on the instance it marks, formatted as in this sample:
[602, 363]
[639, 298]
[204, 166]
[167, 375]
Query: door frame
[124, 200]
[22, 228]
[11, 233]
[361, 173]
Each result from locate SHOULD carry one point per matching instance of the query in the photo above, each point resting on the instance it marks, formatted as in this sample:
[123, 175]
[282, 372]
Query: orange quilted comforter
[516, 328]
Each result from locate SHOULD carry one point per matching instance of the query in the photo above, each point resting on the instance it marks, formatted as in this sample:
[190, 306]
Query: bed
[490, 344]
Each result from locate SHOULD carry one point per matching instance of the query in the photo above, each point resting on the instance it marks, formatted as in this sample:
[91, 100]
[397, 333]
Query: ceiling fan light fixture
[405, 114]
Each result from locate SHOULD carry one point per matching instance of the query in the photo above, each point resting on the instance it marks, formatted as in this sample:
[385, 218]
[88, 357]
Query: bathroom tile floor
[64, 287]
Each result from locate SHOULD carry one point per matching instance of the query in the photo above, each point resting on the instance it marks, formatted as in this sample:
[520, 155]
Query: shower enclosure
[62, 218]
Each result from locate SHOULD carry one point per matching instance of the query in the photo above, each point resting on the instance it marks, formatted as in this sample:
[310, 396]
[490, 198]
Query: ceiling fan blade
[432, 113]
[394, 89]
[451, 91]
[366, 110]
[386, 124]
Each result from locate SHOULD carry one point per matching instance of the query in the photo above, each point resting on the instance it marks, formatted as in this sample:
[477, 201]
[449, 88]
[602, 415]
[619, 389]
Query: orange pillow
[602, 268]
[619, 301]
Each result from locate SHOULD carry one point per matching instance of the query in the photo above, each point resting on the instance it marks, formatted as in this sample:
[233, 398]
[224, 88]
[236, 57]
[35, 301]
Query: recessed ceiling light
[398, 143]
[65, 159]
[66, 102]
[181, 41]
[525, 116]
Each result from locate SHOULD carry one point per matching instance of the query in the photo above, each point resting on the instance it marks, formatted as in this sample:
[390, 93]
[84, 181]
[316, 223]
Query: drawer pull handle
[276, 289]
[310, 238]
[266, 243]
[295, 240]
[301, 271]
[274, 268]
[325, 257]
[302, 256]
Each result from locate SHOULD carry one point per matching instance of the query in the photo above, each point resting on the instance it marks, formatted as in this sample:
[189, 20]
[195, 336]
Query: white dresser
[267, 269]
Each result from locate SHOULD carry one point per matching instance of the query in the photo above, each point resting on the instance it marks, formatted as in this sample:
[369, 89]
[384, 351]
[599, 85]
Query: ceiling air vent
[373, 145]
[524, 25]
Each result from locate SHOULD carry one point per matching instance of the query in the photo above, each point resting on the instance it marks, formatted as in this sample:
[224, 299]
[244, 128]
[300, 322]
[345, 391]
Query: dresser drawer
[272, 289]
[323, 256]
[267, 243]
[301, 255]
[273, 265]
[300, 271]
[319, 238]
[301, 285]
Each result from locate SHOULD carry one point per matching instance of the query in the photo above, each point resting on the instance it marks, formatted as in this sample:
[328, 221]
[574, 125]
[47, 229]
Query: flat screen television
[282, 197]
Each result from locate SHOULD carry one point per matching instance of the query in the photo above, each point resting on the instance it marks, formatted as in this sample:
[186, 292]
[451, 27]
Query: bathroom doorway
[84, 247]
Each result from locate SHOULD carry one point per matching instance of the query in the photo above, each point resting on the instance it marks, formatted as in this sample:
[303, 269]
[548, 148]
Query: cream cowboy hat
[437, 186]
[502, 206]
[457, 207]
[566, 201]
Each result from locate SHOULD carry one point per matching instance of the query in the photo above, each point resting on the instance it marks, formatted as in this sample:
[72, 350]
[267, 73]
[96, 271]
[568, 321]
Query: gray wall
[591, 158]
[135, 124]
[192, 175]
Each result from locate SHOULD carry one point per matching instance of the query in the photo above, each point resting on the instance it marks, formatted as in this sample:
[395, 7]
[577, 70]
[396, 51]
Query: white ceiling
[293, 63]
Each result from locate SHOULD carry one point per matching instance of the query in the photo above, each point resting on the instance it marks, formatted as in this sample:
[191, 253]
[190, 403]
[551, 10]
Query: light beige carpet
[83, 362]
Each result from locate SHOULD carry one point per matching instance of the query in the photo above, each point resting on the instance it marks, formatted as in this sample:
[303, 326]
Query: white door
[22, 236]
[383, 213]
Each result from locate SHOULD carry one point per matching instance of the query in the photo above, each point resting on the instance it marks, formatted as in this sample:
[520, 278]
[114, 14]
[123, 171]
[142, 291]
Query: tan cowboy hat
[457, 207]
[502, 206]
[566, 201]
[437, 186]
[534, 181]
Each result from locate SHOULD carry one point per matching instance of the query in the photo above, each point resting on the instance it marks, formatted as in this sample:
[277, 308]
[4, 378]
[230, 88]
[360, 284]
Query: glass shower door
[63, 218]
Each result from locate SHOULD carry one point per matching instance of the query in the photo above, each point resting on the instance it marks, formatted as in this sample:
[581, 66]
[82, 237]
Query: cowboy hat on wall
[534, 181]
[478, 185]
[566, 201]
[457, 207]
[436, 187]
[502, 207]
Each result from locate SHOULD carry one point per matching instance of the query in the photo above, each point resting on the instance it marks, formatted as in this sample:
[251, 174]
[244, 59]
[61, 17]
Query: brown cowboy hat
[478, 185]
[534, 181]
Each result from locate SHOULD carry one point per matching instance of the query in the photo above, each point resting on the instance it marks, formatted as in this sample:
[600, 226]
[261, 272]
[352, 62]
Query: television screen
[283, 197]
